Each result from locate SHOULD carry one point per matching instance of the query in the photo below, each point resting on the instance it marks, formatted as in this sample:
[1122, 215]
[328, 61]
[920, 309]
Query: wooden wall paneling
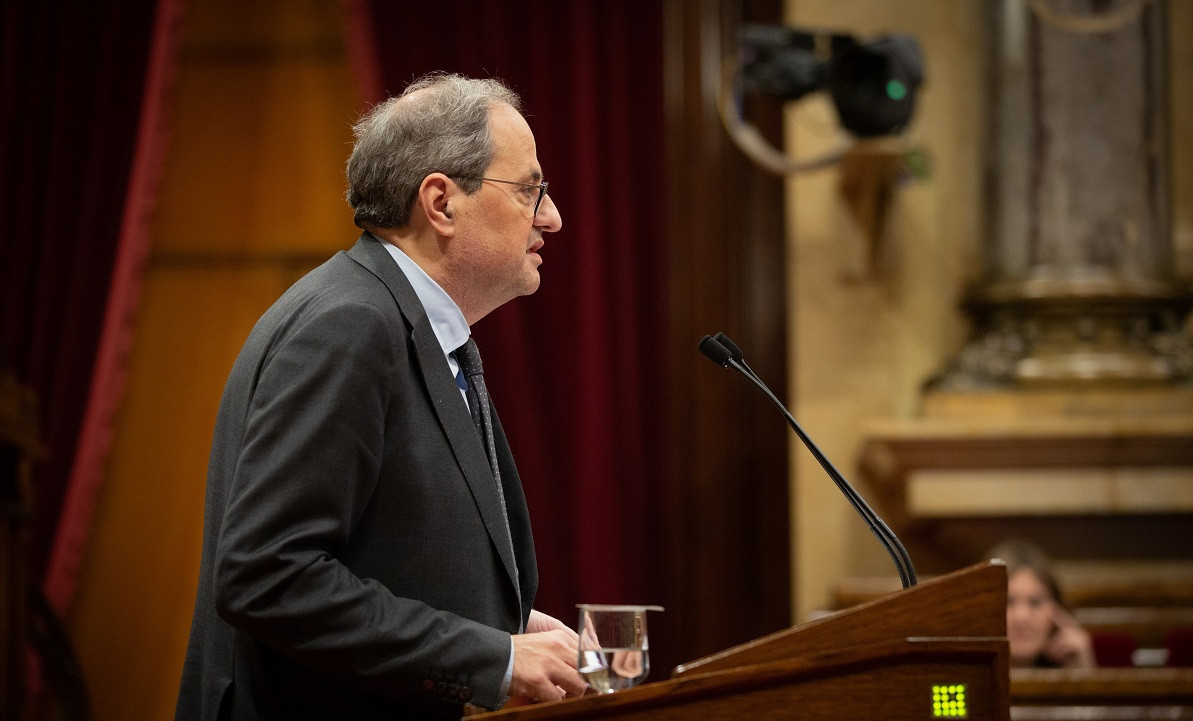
[726, 541]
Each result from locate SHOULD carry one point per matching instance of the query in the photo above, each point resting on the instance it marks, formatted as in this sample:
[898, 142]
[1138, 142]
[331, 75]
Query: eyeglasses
[542, 187]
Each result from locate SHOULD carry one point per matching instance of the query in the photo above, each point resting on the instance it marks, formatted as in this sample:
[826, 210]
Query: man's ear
[436, 196]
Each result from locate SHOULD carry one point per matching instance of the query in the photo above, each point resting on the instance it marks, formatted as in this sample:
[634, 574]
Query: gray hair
[445, 129]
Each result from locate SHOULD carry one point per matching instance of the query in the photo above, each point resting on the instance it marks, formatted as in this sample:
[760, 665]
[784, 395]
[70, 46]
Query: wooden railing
[1103, 693]
[1134, 620]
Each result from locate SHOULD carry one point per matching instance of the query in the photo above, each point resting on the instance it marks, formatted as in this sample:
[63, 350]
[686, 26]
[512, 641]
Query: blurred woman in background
[1042, 634]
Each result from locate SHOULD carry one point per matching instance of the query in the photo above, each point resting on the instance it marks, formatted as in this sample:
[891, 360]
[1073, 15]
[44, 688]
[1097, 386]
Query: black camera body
[873, 84]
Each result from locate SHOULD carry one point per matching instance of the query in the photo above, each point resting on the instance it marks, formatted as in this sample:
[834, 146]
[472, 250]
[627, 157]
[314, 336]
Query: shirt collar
[447, 321]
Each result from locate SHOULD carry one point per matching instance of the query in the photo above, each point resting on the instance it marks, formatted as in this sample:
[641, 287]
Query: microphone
[725, 353]
[716, 351]
[734, 352]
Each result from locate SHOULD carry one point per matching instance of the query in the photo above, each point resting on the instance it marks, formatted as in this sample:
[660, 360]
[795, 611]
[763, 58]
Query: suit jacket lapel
[449, 406]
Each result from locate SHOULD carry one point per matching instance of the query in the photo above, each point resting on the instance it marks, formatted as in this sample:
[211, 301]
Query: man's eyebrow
[536, 176]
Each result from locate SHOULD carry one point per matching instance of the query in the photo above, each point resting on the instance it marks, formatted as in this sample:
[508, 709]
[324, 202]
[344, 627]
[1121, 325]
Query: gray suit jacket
[355, 560]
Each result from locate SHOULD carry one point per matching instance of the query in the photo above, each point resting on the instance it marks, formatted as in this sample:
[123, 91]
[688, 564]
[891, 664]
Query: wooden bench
[1086, 588]
[1101, 693]
[1134, 620]
[1156, 636]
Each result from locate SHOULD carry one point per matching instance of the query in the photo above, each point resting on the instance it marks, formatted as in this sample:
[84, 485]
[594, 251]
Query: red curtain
[577, 370]
[80, 99]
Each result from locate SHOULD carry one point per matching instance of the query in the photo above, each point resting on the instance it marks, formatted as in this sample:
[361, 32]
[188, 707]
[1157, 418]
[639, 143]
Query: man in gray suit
[367, 551]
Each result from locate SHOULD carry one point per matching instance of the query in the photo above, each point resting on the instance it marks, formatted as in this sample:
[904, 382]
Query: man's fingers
[545, 666]
[540, 622]
[566, 684]
[572, 685]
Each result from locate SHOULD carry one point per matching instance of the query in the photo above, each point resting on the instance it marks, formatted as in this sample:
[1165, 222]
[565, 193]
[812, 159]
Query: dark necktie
[471, 379]
[472, 373]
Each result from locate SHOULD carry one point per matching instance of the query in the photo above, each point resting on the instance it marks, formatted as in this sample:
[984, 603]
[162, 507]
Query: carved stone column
[1079, 286]
[1068, 417]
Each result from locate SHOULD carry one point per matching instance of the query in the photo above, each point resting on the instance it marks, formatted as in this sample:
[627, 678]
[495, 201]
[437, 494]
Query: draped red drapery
[82, 86]
[577, 369]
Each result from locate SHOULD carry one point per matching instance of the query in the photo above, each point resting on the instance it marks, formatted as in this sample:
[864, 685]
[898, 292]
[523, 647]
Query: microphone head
[734, 351]
[715, 352]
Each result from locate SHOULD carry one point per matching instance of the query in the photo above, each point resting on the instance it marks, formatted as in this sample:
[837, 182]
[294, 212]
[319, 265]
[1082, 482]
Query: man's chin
[531, 282]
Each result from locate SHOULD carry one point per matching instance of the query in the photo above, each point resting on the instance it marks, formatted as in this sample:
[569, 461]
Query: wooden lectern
[937, 650]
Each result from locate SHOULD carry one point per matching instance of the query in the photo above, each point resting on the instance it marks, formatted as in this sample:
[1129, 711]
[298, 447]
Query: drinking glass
[614, 652]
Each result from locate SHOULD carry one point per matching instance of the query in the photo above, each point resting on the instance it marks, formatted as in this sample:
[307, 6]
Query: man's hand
[545, 661]
[539, 622]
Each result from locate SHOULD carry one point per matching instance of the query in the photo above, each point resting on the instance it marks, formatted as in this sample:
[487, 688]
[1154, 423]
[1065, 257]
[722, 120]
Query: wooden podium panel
[935, 651]
[969, 603]
[911, 680]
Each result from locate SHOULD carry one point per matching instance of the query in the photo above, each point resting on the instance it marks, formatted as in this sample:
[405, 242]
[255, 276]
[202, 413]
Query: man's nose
[548, 216]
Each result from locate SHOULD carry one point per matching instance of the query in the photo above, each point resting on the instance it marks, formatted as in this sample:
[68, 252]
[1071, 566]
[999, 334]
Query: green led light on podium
[896, 90]
[948, 701]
